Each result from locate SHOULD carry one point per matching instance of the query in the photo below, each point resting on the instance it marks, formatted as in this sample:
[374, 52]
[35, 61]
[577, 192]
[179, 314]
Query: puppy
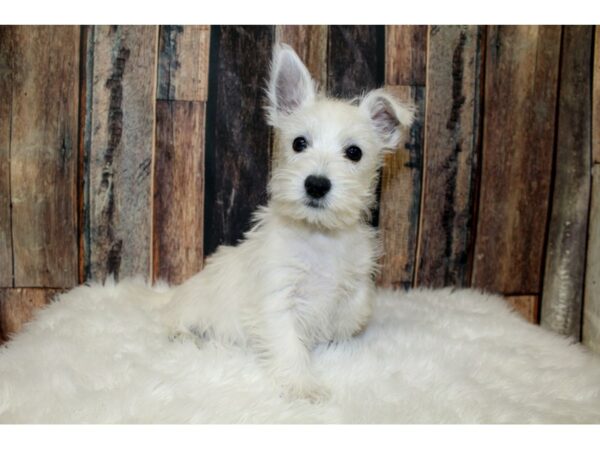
[304, 273]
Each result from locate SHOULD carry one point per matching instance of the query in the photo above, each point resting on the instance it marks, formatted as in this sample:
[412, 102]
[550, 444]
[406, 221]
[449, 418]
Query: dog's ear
[389, 116]
[290, 85]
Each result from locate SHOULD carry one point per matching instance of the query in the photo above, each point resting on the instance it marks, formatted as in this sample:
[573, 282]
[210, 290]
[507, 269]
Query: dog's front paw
[310, 390]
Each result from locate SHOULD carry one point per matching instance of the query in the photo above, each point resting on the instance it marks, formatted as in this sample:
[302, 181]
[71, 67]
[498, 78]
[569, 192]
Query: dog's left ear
[390, 117]
[290, 84]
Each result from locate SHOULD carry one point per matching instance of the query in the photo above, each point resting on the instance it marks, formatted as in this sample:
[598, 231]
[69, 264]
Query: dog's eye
[353, 153]
[299, 144]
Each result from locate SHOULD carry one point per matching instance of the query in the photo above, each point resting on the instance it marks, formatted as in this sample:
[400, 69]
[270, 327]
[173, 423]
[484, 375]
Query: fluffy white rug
[428, 356]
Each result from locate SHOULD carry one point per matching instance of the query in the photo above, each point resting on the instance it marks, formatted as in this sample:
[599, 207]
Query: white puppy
[304, 273]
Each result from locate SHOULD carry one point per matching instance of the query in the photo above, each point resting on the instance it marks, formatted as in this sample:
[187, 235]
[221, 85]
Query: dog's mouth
[315, 204]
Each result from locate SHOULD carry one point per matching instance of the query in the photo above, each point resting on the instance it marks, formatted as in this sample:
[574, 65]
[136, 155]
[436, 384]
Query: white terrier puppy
[304, 273]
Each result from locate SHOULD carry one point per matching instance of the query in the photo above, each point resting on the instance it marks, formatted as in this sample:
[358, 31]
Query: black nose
[317, 186]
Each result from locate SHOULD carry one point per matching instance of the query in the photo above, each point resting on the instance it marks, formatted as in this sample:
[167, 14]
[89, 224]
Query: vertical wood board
[121, 151]
[43, 153]
[179, 190]
[566, 246]
[518, 141]
[238, 138]
[183, 62]
[451, 155]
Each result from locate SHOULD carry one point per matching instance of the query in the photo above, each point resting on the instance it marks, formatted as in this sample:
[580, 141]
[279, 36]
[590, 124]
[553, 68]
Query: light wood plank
[518, 140]
[562, 296]
[179, 190]
[406, 54]
[591, 304]
[183, 62]
[17, 307]
[310, 42]
[44, 136]
[121, 151]
[6, 263]
[450, 159]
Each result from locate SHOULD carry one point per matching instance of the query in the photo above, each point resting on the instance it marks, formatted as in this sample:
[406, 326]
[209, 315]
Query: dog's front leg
[286, 351]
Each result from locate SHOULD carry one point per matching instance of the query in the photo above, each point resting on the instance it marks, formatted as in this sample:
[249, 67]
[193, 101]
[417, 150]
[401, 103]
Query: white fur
[96, 356]
[303, 275]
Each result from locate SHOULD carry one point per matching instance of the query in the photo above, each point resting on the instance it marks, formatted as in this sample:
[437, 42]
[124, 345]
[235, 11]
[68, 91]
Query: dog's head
[327, 151]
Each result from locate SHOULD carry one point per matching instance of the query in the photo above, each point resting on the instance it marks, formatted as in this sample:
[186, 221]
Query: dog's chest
[327, 271]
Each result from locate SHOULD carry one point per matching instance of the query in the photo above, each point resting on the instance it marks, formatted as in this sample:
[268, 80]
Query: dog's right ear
[290, 85]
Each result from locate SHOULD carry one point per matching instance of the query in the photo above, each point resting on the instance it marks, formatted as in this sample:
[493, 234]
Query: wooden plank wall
[155, 151]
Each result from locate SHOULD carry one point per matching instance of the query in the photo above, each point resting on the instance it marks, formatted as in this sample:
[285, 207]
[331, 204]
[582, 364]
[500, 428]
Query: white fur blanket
[428, 356]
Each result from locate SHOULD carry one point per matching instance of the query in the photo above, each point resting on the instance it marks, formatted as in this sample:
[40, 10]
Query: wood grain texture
[406, 54]
[6, 263]
[518, 140]
[237, 142]
[596, 100]
[43, 152]
[450, 158]
[591, 303]
[17, 307]
[310, 42]
[121, 151]
[356, 59]
[183, 62]
[562, 296]
[401, 198]
[526, 305]
[178, 190]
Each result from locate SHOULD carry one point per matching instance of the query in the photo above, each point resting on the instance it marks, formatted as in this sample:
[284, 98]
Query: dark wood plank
[452, 125]
[121, 151]
[401, 199]
[310, 42]
[237, 142]
[562, 295]
[520, 102]
[356, 59]
[183, 62]
[591, 303]
[526, 305]
[43, 152]
[596, 100]
[406, 55]
[17, 307]
[178, 190]
[6, 263]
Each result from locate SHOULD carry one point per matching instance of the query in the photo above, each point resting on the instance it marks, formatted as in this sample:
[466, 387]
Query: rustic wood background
[140, 149]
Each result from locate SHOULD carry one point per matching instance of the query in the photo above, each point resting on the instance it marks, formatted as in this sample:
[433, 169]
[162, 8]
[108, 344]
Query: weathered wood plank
[591, 303]
[17, 307]
[43, 154]
[520, 97]
[179, 190]
[526, 305]
[596, 100]
[401, 199]
[237, 139]
[450, 158]
[183, 62]
[6, 264]
[310, 42]
[121, 151]
[562, 295]
[356, 59]
[406, 55]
